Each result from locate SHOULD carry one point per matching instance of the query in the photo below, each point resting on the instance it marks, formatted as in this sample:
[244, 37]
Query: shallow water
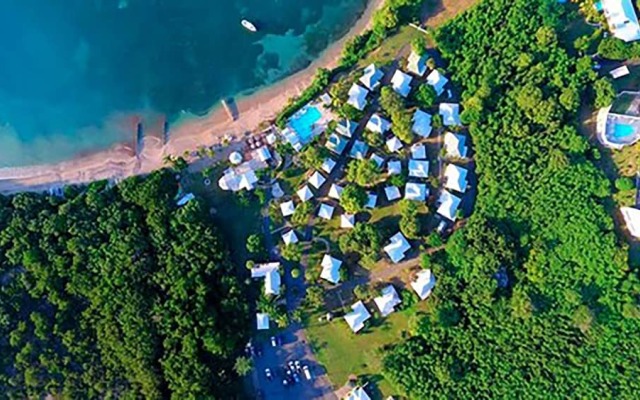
[73, 72]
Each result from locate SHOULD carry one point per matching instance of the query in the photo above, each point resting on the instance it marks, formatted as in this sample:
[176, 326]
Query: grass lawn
[344, 353]
[391, 47]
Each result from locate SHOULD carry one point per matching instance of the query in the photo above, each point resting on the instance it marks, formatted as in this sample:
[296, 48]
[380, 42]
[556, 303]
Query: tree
[255, 244]
[292, 252]
[302, 213]
[373, 139]
[363, 240]
[243, 366]
[425, 96]
[419, 45]
[313, 156]
[363, 292]
[624, 183]
[605, 92]
[295, 273]
[363, 172]
[394, 106]
[390, 101]
[315, 297]
[353, 199]
[409, 224]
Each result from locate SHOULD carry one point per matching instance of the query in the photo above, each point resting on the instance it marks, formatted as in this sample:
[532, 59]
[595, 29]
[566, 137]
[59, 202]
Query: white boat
[249, 26]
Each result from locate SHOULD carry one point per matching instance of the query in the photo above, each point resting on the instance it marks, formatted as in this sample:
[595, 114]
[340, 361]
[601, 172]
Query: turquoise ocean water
[73, 72]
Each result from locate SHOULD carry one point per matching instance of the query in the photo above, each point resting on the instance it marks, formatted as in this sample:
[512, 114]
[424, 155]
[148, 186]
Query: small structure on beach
[437, 81]
[357, 317]
[388, 301]
[450, 113]
[455, 178]
[397, 248]
[455, 145]
[378, 124]
[401, 83]
[424, 283]
[271, 274]
[421, 123]
[372, 76]
[330, 269]
[417, 64]
[449, 204]
[357, 97]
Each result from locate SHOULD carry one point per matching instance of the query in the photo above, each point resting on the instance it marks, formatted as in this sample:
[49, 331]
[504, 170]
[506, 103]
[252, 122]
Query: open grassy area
[392, 47]
[344, 353]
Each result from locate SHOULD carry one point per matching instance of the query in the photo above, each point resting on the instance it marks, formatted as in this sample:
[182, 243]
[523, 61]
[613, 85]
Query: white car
[307, 372]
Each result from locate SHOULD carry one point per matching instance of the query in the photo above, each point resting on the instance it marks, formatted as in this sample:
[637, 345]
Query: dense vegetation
[534, 298]
[115, 292]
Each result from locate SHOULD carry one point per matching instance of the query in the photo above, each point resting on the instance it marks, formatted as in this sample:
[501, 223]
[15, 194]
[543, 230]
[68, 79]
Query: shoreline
[188, 134]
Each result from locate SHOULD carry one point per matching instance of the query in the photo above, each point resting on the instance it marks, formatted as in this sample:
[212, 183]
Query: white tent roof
[357, 317]
[622, 19]
[450, 113]
[448, 205]
[330, 269]
[263, 154]
[326, 211]
[415, 191]
[271, 274]
[378, 124]
[394, 144]
[304, 193]
[377, 159]
[424, 283]
[632, 219]
[357, 393]
[328, 165]
[372, 201]
[455, 178]
[359, 150]
[421, 123]
[347, 221]
[371, 77]
[316, 180]
[392, 193]
[346, 127]
[418, 152]
[454, 145]
[287, 208]
[417, 64]
[401, 83]
[235, 158]
[247, 180]
[438, 81]
[358, 97]
[238, 178]
[388, 301]
[276, 191]
[394, 167]
[262, 321]
[397, 247]
[290, 237]
[419, 168]
[336, 143]
[335, 192]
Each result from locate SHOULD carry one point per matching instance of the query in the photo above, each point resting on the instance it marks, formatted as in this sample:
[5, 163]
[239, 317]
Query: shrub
[624, 183]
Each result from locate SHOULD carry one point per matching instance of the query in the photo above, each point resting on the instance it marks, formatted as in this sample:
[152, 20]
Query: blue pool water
[598, 6]
[303, 123]
[622, 131]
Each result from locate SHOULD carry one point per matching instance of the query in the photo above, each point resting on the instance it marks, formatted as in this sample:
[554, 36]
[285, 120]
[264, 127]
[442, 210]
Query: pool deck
[295, 139]
[608, 118]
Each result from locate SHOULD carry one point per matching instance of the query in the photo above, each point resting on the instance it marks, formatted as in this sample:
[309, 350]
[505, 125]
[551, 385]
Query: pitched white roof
[394, 144]
[316, 180]
[437, 81]
[455, 178]
[358, 97]
[397, 247]
[326, 211]
[394, 167]
[632, 219]
[336, 143]
[359, 150]
[290, 237]
[401, 83]
[377, 159]
[262, 321]
[622, 19]
[378, 124]
[276, 190]
[424, 283]
[330, 269]
[418, 152]
[392, 192]
[346, 127]
[372, 201]
[304, 193]
[328, 165]
[450, 113]
[236, 179]
[271, 274]
[415, 191]
[448, 205]
[421, 123]
[235, 157]
[371, 77]
[619, 72]
[262, 154]
[356, 318]
[417, 64]
[287, 208]
[335, 192]
[357, 393]
[419, 168]
[347, 221]
[388, 301]
[454, 145]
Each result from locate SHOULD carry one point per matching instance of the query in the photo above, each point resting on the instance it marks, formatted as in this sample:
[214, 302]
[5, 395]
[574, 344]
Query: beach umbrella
[235, 158]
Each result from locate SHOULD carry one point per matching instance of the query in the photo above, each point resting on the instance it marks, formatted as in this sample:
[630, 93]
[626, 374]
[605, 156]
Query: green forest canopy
[534, 298]
[115, 292]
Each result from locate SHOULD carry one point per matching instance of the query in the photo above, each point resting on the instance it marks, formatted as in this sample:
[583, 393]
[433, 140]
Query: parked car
[307, 372]
[267, 373]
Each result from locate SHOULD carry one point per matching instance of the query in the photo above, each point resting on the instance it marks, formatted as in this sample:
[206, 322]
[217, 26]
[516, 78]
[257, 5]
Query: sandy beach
[120, 161]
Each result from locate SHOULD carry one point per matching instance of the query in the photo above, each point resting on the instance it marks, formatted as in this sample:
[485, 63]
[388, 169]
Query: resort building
[418, 152]
[347, 221]
[424, 283]
[271, 274]
[448, 207]
[378, 124]
[262, 154]
[317, 180]
[304, 193]
[336, 143]
[287, 208]
[372, 201]
[290, 237]
[437, 81]
[392, 193]
[394, 144]
[450, 113]
[357, 393]
[304, 125]
[328, 165]
[415, 191]
[358, 97]
[619, 72]
[419, 168]
[262, 321]
[394, 167]
[388, 301]
[421, 123]
[359, 150]
[619, 124]
[377, 159]
[335, 192]
[326, 211]
[632, 219]
[401, 83]
[417, 64]
[346, 127]
[455, 145]
[330, 269]
[397, 248]
[235, 157]
[242, 177]
[371, 78]
[357, 317]
[622, 19]
[455, 178]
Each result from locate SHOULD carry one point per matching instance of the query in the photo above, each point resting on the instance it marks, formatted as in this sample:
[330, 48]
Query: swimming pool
[303, 122]
[622, 131]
